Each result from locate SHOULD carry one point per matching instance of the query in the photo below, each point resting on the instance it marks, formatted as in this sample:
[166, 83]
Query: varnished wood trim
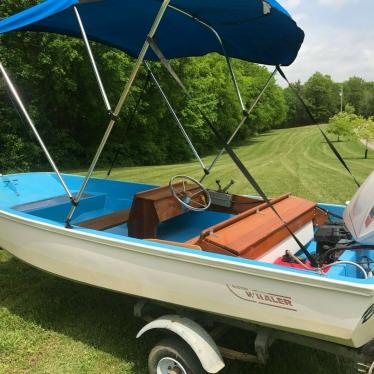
[177, 244]
[107, 221]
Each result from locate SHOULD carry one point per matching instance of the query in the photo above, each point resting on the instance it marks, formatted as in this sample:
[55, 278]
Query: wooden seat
[107, 221]
[254, 232]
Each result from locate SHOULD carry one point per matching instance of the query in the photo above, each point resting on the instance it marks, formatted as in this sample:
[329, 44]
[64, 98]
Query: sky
[339, 38]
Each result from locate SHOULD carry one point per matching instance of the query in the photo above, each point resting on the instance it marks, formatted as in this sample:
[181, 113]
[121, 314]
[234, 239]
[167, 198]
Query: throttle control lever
[225, 189]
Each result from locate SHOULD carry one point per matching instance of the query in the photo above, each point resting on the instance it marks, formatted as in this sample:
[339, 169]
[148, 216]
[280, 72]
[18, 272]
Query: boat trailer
[204, 334]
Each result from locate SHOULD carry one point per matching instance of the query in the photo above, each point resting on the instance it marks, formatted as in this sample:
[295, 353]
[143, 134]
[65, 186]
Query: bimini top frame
[39, 16]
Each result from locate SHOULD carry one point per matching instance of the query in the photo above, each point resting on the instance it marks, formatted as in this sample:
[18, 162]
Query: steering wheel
[193, 196]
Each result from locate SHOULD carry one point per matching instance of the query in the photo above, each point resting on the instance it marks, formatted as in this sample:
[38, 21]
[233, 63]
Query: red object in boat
[295, 265]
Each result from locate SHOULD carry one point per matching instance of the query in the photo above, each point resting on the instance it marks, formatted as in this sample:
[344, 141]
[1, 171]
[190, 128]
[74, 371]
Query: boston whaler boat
[285, 268]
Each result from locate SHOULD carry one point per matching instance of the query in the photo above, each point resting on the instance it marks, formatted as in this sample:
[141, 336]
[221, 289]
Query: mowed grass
[51, 325]
[291, 160]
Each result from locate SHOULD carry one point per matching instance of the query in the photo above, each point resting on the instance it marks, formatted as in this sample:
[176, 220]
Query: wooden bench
[107, 221]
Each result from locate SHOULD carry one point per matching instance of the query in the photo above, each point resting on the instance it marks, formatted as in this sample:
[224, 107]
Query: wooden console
[152, 207]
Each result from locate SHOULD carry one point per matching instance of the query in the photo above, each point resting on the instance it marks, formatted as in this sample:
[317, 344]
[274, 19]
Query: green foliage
[350, 125]
[350, 109]
[342, 124]
[16, 155]
[58, 87]
[322, 95]
[364, 131]
[360, 95]
[364, 128]
[296, 114]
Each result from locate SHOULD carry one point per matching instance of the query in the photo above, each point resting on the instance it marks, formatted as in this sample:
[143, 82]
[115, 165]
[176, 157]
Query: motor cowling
[359, 214]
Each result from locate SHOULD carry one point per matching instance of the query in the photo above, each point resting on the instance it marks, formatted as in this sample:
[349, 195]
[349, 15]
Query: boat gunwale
[264, 270]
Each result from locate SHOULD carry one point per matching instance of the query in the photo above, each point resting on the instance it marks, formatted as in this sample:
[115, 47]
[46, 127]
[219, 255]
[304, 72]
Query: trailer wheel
[173, 356]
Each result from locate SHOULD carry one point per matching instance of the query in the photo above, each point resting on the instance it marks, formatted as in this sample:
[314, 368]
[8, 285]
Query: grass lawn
[50, 325]
[292, 160]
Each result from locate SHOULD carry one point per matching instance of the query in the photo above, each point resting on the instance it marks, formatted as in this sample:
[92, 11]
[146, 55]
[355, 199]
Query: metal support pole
[171, 71]
[93, 62]
[341, 94]
[240, 124]
[184, 133]
[119, 106]
[35, 131]
[233, 77]
[220, 41]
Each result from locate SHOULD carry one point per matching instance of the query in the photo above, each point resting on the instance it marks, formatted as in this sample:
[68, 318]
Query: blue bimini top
[253, 30]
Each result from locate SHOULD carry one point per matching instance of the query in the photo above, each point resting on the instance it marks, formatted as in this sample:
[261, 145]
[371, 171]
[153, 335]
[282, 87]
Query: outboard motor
[359, 214]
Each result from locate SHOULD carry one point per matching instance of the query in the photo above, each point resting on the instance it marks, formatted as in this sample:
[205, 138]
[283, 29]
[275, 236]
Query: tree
[58, 87]
[364, 130]
[354, 93]
[271, 110]
[322, 95]
[368, 100]
[342, 124]
[296, 113]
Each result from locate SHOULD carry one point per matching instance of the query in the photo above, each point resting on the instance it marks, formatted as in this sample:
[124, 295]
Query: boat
[285, 263]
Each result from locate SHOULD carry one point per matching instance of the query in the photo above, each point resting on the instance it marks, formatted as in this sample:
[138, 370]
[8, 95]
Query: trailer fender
[194, 335]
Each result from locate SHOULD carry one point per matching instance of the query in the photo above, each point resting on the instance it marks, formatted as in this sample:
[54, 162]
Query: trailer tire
[173, 351]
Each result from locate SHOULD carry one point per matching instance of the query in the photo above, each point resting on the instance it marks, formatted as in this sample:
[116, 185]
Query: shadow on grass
[332, 141]
[336, 141]
[104, 320]
[359, 158]
[269, 133]
[245, 143]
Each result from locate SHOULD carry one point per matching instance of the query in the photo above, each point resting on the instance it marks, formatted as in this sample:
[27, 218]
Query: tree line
[56, 82]
[325, 98]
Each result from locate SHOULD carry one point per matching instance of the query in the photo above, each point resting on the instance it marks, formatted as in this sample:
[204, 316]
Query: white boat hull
[314, 306]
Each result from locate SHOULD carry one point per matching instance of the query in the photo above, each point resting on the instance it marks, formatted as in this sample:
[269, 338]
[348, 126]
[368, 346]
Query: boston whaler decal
[263, 298]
